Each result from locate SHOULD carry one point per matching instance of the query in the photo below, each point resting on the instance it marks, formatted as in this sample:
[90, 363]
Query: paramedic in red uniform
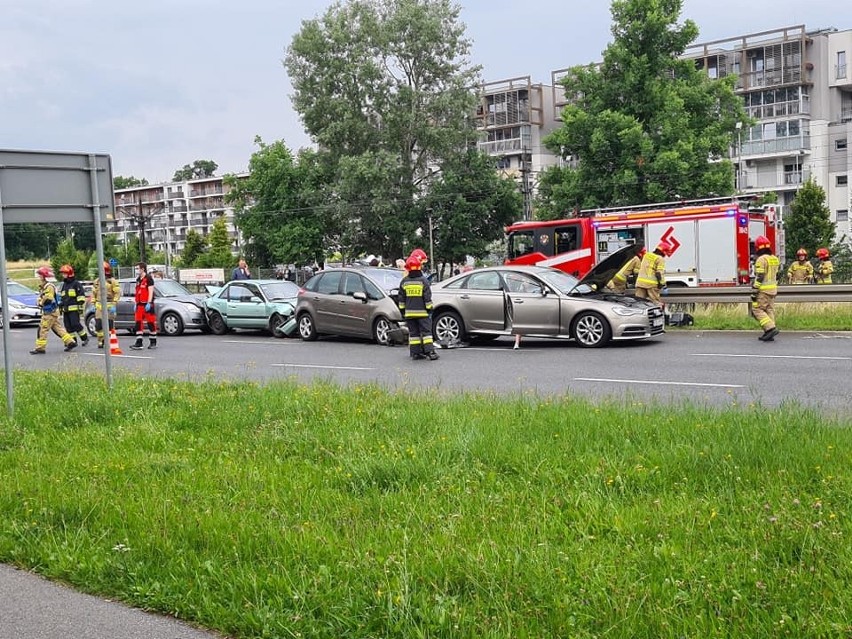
[145, 317]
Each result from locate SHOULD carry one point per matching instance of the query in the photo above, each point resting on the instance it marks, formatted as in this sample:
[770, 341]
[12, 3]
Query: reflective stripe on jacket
[800, 272]
[113, 290]
[415, 297]
[653, 265]
[72, 292]
[631, 268]
[49, 298]
[766, 274]
[824, 271]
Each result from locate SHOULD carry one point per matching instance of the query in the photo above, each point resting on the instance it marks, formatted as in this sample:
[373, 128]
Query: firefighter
[824, 269]
[73, 300]
[415, 302]
[50, 300]
[146, 318]
[651, 279]
[618, 283]
[113, 291]
[765, 288]
[801, 271]
[419, 255]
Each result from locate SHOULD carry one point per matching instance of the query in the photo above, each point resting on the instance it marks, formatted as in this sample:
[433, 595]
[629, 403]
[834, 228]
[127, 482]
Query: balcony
[846, 114]
[778, 145]
[840, 72]
[213, 190]
[794, 178]
[175, 194]
[500, 146]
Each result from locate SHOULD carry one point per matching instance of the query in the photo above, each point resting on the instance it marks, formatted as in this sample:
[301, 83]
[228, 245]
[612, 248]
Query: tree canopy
[122, 182]
[198, 169]
[644, 125]
[808, 224]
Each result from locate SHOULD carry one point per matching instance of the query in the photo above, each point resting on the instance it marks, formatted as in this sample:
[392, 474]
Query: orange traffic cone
[114, 348]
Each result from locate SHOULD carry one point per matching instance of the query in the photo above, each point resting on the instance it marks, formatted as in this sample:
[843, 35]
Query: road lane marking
[121, 356]
[768, 356]
[649, 381]
[337, 368]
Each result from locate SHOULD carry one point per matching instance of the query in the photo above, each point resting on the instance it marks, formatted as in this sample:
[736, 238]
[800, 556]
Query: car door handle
[517, 301]
[465, 297]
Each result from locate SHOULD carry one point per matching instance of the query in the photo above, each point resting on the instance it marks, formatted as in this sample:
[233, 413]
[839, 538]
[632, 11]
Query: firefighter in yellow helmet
[415, 302]
[113, 291]
[765, 288]
[651, 279]
[824, 269]
[801, 271]
[50, 301]
[618, 283]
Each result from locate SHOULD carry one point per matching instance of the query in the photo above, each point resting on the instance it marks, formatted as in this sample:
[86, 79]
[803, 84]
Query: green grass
[827, 316]
[314, 511]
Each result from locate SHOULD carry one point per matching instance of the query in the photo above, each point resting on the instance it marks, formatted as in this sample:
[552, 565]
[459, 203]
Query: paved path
[33, 608]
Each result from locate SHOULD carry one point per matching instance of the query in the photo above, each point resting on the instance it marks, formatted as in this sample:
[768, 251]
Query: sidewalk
[33, 608]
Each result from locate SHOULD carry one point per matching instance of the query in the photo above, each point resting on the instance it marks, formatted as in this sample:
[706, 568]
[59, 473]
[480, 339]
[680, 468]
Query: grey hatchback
[351, 301]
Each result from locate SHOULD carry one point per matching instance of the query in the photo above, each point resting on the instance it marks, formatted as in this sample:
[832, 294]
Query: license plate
[656, 322]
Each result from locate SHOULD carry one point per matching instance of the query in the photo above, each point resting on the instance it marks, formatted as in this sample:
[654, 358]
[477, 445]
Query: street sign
[113, 262]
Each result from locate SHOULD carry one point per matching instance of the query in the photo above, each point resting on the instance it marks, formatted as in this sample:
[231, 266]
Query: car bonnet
[602, 273]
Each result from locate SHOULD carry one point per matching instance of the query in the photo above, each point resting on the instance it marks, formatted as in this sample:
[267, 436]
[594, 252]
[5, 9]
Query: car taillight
[302, 290]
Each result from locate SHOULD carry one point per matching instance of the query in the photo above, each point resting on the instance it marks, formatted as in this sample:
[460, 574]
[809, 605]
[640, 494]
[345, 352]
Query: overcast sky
[160, 83]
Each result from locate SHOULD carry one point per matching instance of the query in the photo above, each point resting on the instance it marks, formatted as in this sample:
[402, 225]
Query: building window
[843, 215]
[841, 64]
[840, 145]
[842, 180]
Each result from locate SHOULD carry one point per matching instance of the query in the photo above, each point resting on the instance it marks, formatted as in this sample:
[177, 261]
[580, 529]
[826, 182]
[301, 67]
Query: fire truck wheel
[448, 328]
[591, 330]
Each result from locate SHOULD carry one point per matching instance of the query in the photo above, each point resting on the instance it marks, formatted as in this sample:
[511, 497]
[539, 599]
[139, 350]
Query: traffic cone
[114, 348]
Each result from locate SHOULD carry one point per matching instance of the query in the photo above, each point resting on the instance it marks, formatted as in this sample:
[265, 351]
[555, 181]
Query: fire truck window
[567, 239]
[520, 243]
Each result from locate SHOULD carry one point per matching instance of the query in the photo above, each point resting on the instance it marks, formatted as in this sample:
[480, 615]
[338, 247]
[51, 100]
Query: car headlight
[626, 311]
[16, 304]
[192, 308]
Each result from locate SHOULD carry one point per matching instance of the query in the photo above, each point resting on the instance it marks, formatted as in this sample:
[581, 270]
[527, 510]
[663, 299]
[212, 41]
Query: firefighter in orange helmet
[50, 301]
[113, 291]
[824, 269]
[415, 302]
[651, 280]
[618, 283]
[801, 271]
[73, 304]
[765, 288]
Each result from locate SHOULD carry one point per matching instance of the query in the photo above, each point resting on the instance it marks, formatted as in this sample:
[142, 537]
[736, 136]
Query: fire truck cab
[713, 239]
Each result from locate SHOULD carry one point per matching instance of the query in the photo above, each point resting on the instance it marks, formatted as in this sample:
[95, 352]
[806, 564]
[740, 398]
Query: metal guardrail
[741, 294]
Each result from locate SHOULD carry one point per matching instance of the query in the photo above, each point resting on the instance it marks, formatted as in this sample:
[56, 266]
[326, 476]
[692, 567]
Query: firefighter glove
[148, 307]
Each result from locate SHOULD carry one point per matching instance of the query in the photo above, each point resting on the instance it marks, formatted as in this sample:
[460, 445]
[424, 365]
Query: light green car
[251, 304]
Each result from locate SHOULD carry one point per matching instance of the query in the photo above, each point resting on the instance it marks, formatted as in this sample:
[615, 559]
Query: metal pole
[99, 249]
[4, 299]
[432, 248]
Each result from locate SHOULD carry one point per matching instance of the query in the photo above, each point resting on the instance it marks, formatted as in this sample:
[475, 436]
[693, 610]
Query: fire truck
[713, 239]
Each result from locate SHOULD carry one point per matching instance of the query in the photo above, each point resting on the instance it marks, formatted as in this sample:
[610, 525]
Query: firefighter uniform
[113, 291]
[49, 300]
[415, 302]
[73, 302]
[824, 271]
[764, 290]
[651, 278]
[618, 283]
[800, 272]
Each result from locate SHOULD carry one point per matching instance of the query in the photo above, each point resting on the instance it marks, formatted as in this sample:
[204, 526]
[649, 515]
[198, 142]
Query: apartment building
[514, 116]
[170, 210]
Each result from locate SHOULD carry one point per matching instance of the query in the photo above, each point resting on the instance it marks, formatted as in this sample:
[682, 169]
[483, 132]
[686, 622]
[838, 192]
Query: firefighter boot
[433, 356]
[84, 339]
[71, 345]
[152, 343]
[37, 351]
[769, 336]
[137, 346]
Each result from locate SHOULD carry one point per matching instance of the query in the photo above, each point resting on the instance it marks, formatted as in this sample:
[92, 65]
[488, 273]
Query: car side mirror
[255, 299]
[360, 295]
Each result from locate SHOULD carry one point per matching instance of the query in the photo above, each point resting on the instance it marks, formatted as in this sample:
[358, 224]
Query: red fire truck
[713, 239]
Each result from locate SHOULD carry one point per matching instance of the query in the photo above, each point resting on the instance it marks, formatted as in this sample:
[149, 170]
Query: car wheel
[448, 328]
[91, 325]
[381, 331]
[217, 324]
[171, 324]
[276, 325]
[307, 328]
[591, 330]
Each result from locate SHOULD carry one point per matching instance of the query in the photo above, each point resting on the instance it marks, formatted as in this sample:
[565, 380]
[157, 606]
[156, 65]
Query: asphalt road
[709, 367]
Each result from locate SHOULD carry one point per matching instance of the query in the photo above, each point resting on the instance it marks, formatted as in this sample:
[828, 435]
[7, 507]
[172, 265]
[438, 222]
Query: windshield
[280, 290]
[14, 288]
[386, 279]
[562, 282]
[169, 288]
[519, 243]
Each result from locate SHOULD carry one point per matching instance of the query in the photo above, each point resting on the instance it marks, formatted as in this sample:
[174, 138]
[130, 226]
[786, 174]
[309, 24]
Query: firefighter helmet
[665, 248]
[801, 253]
[107, 269]
[642, 252]
[822, 253]
[762, 242]
[413, 263]
[67, 270]
[420, 255]
[45, 272]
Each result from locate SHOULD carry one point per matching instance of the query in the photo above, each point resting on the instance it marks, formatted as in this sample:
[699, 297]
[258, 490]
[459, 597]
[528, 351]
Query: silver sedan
[540, 302]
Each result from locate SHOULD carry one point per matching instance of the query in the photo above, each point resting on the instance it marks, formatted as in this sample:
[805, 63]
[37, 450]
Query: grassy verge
[826, 316]
[314, 511]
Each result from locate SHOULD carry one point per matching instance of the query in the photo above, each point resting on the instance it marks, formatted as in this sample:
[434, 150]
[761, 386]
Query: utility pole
[140, 217]
[526, 190]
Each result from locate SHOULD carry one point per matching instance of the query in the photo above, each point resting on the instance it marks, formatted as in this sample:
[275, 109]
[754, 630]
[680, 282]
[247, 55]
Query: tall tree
[219, 255]
[193, 249]
[808, 224]
[644, 125]
[122, 182]
[383, 87]
[198, 169]
[469, 205]
[284, 207]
